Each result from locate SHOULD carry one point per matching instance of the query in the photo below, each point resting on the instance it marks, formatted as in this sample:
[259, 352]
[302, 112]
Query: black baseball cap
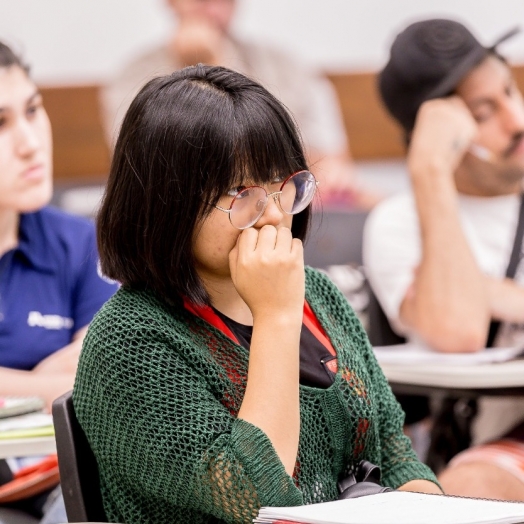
[427, 60]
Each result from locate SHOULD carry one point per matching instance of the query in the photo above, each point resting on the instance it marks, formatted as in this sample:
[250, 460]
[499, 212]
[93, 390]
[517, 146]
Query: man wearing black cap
[444, 260]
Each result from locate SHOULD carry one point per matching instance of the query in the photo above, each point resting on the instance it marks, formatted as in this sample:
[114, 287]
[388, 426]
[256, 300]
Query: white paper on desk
[398, 507]
[30, 421]
[418, 354]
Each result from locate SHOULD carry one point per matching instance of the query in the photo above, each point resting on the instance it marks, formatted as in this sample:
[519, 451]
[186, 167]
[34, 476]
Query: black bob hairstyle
[186, 140]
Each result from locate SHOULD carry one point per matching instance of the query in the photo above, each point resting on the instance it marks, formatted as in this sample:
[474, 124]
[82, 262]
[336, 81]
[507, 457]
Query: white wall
[76, 41]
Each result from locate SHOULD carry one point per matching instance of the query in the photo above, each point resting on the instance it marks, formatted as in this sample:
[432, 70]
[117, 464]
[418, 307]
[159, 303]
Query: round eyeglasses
[294, 195]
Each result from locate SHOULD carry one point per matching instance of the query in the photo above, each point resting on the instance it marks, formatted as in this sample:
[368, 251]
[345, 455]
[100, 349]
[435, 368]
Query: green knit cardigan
[157, 391]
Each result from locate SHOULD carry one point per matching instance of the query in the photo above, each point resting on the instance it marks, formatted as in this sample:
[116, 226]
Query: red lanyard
[310, 321]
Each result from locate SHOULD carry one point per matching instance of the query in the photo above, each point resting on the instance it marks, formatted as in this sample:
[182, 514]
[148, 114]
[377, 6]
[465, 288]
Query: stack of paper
[398, 507]
[11, 406]
[24, 426]
[417, 365]
[418, 354]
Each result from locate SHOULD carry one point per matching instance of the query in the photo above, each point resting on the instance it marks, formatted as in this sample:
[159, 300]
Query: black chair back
[77, 464]
[335, 238]
[380, 332]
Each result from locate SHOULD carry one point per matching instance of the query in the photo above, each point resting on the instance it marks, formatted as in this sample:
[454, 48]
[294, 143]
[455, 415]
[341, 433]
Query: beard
[481, 178]
[510, 174]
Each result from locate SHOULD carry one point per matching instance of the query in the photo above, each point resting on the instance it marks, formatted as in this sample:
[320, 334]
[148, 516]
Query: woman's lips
[34, 173]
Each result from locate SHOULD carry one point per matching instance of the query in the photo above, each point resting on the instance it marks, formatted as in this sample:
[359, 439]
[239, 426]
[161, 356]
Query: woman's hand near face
[267, 269]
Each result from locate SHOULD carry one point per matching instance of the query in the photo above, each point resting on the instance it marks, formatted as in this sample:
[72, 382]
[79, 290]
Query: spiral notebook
[398, 507]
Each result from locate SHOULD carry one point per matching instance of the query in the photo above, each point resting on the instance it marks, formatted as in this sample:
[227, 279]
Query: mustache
[515, 142]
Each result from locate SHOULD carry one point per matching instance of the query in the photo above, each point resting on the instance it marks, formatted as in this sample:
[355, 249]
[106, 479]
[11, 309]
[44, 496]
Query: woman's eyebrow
[36, 94]
[31, 98]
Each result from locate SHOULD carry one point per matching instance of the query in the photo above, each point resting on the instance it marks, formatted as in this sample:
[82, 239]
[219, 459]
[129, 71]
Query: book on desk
[398, 507]
[23, 417]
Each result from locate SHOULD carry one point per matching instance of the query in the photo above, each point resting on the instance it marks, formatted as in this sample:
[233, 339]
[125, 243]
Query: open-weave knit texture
[157, 392]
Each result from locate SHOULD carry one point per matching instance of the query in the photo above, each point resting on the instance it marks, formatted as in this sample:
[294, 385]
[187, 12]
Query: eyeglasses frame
[275, 195]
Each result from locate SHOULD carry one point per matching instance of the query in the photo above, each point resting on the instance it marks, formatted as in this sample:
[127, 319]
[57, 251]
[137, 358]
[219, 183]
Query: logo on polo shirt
[36, 319]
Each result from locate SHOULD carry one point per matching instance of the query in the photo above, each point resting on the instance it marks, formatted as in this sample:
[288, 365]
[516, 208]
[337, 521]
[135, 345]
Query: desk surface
[25, 447]
[501, 378]
[501, 375]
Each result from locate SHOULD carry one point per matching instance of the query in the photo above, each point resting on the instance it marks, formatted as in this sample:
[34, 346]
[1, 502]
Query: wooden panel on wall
[80, 150]
[518, 72]
[372, 133]
[81, 153]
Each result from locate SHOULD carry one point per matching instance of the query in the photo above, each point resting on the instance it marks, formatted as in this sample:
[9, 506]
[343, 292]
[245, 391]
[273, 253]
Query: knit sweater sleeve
[159, 432]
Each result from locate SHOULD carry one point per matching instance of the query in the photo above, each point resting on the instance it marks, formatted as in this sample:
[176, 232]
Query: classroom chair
[335, 238]
[77, 464]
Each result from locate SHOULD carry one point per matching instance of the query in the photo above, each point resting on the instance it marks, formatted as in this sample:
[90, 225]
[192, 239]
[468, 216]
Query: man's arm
[49, 379]
[421, 486]
[506, 299]
[448, 303]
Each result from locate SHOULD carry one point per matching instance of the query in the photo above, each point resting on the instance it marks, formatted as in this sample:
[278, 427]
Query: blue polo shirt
[50, 287]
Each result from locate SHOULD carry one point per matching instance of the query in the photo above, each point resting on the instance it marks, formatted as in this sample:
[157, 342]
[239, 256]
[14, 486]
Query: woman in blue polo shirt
[50, 286]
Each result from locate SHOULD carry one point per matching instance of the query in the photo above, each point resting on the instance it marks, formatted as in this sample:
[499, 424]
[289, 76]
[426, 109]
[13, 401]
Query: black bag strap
[364, 480]
[512, 267]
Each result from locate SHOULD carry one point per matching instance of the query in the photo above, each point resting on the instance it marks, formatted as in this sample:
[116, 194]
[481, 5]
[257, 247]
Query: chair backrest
[77, 464]
[335, 238]
[380, 332]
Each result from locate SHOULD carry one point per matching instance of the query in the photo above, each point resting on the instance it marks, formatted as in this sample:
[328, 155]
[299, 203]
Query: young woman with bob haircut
[224, 376]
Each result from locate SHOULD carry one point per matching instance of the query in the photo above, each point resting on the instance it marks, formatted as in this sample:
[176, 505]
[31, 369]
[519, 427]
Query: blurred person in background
[50, 285]
[438, 257]
[203, 35]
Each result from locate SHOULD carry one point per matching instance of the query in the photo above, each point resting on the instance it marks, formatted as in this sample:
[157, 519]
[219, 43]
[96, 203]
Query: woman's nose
[26, 138]
[273, 214]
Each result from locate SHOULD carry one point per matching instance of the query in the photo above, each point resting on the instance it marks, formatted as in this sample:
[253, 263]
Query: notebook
[418, 354]
[398, 507]
[26, 426]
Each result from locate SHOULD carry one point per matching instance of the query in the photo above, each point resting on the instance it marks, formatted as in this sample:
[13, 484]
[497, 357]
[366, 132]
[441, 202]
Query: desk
[24, 447]
[457, 387]
[506, 378]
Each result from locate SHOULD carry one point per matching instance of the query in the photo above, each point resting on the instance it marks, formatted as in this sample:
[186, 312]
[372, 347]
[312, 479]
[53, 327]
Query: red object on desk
[31, 480]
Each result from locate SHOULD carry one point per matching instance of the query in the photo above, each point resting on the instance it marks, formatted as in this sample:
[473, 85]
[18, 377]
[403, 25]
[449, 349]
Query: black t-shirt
[313, 354]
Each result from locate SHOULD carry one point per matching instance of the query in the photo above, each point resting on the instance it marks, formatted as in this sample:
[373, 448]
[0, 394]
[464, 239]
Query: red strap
[310, 321]
[206, 313]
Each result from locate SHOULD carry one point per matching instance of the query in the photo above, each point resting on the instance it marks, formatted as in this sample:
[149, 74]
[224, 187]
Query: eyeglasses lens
[248, 206]
[298, 192]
